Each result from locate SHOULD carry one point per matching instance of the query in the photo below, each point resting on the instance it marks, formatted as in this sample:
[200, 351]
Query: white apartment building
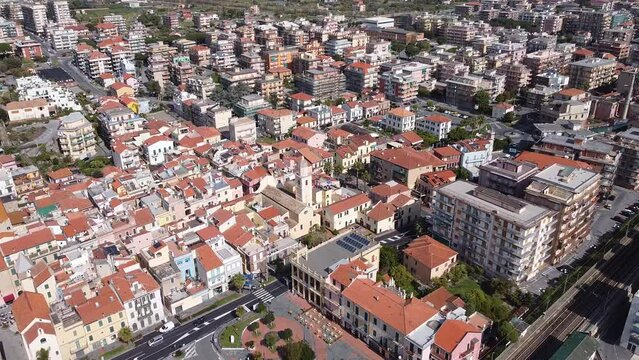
[63, 39]
[76, 137]
[34, 87]
[58, 11]
[276, 122]
[125, 156]
[506, 236]
[156, 149]
[98, 63]
[243, 129]
[435, 124]
[7, 187]
[136, 38]
[140, 295]
[117, 20]
[400, 120]
[119, 121]
[35, 17]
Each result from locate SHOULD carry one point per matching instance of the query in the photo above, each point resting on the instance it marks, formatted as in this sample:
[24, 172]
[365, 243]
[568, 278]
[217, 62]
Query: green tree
[463, 174]
[338, 169]
[252, 327]
[505, 330]
[237, 281]
[412, 49]
[270, 340]
[388, 258]
[501, 144]
[299, 350]
[286, 334]
[328, 168]
[268, 319]
[197, 36]
[273, 99]
[429, 139]
[154, 88]
[42, 354]
[458, 133]
[510, 117]
[397, 47]
[424, 45]
[125, 334]
[457, 273]
[402, 278]
[5, 48]
[482, 101]
[257, 356]
[261, 308]
[239, 312]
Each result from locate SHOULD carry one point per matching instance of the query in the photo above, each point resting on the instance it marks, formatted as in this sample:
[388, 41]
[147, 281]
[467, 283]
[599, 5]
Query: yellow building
[103, 317]
[119, 89]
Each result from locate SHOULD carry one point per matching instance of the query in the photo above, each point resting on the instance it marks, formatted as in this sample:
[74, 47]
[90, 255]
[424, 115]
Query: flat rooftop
[569, 178]
[324, 258]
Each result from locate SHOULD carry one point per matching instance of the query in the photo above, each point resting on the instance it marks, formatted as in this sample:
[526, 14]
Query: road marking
[190, 351]
[263, 295]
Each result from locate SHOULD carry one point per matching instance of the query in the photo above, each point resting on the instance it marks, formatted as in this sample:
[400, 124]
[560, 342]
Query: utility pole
[626, 105]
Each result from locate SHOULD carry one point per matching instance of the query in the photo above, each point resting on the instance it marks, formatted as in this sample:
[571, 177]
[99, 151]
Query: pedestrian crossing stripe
[263, 295]
[190, 351]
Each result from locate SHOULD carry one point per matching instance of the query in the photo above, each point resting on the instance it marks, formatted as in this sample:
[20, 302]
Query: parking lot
[10, 341]
[602, 223]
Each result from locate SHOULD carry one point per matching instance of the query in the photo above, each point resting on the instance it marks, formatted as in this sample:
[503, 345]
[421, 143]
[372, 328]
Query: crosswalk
[392, 239]
[190, 351]
[263, 295]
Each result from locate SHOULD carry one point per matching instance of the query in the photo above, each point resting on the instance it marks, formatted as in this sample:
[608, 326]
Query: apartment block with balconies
[76, 137]
[506, 236]
[572, 194]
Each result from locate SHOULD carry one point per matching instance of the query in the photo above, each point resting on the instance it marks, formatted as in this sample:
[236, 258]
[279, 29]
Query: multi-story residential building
[9, 29]
[118, 121]
[26, 180]
[282, 57]
[243, 129]
[404, 165]
[203, 21]
[399, 120]
[592, 73]
[98, 63]
[570, 106]
[252, 60]
[360, 77]
[460, 33]
[103, 316]
[12, 11]
[508, 176]
[270, 86]
[117, 20]
[518, 76]
[210, 270]
[28, 49]
[200, 55]
[322, 83]
[542, 60]
[398, 86]
[572, 194]
[435, 124]
[249, 105]
[346, 212]
[156, 149]
[171, 20]
[76, 137]
[276, 122]
[180, 70]
[136, 37]
[426, 259]
[158, 69]
[140, 296]
[58, 11]
[506, 236]
[63, 39]
[34, 17]
[237, 76]
[628, 170]
[223, 55]
[474, 153]
[460, 90]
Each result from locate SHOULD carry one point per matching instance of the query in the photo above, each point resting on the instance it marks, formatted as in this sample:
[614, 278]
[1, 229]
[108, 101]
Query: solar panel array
[353, 242]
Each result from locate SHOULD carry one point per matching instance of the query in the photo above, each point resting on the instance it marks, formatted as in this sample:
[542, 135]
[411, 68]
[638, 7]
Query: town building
[592, 73]
[481, 224]
[399, 120]
[572, 194]
[322, 82]
[404, 165]
[76, 137]
[509, 176]
[435, 124]
[34, 17]
[426, 259]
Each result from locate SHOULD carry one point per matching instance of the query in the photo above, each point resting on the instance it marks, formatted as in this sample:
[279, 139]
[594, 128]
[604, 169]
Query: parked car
[168, 326]
[627, 213]
[156, 340]
[619, 218]
[199, 321]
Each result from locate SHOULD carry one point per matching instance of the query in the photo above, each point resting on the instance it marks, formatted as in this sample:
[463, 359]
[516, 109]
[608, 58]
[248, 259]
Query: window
[374, 321]
[109, 319]
[100, 323]
[384, 327]
[111, 329]
[88, 327]
[90, 337]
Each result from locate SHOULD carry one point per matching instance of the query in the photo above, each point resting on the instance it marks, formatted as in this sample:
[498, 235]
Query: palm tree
[125, 334]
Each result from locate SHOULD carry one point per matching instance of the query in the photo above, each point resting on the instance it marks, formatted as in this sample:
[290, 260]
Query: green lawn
[464, 286]
[236, 330]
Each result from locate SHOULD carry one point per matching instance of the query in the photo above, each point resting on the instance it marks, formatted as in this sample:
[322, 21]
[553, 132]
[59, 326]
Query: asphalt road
[591, 299]
[187, 332]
